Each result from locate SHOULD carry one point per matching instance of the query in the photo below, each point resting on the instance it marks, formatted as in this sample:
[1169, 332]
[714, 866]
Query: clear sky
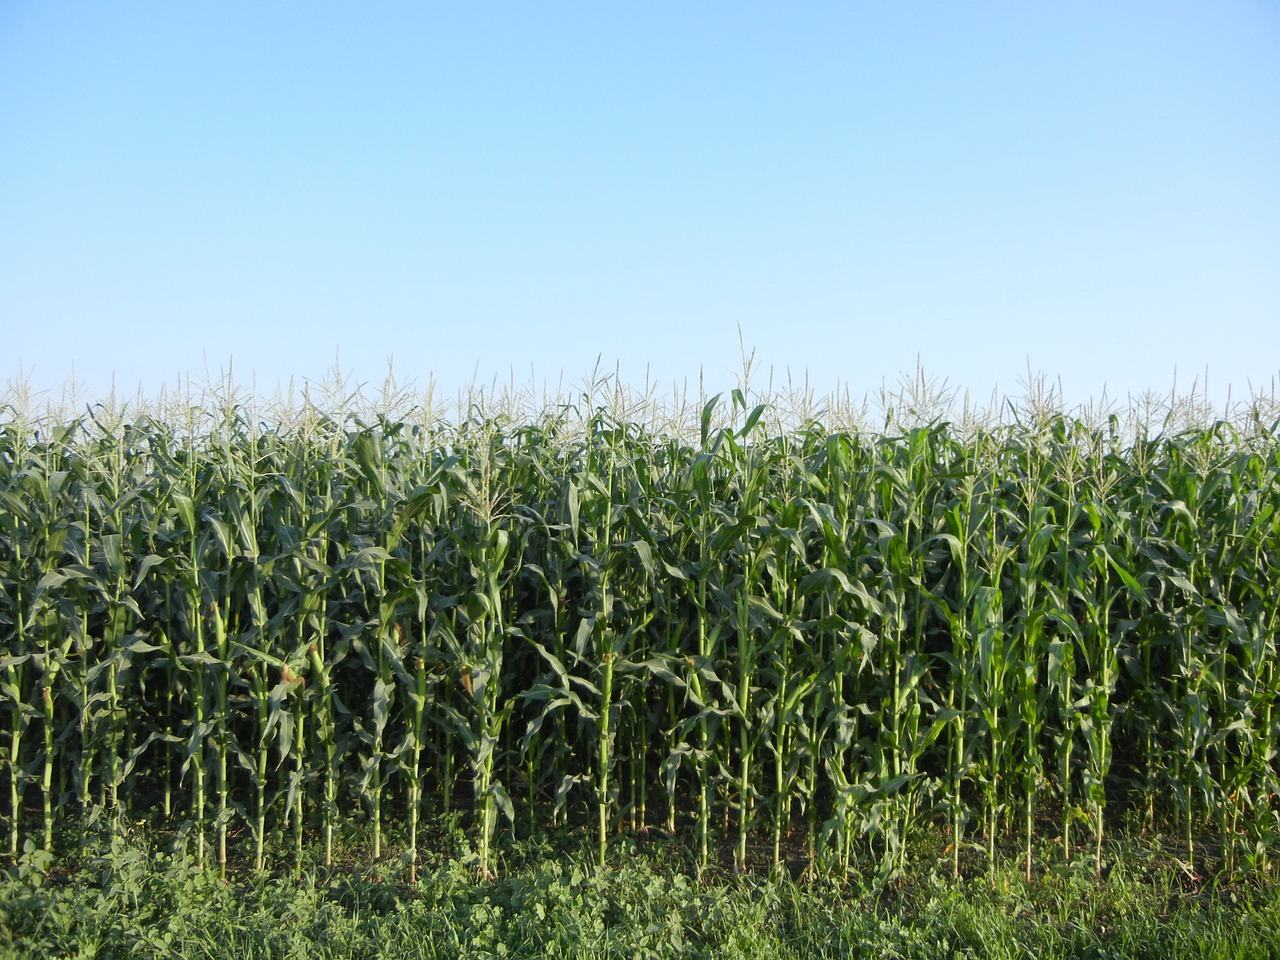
[1091, 189]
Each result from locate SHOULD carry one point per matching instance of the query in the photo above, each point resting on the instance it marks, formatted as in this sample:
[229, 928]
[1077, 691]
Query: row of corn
[778, 643]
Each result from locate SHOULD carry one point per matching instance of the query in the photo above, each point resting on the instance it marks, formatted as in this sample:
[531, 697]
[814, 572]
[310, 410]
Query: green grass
[129, 897]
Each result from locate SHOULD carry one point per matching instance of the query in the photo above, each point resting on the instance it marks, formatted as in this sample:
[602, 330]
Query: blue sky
[1091, 189]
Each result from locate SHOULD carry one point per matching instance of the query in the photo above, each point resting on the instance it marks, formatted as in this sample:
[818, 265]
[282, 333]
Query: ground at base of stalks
[134, 898]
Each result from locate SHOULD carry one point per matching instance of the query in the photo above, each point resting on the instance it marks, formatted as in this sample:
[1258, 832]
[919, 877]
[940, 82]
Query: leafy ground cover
[133, 896]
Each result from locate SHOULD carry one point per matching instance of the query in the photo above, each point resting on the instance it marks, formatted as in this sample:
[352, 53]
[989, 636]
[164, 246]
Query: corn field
[1020, 637]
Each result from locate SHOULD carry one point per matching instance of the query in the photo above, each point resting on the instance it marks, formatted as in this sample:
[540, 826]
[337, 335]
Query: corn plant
[801, 639]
